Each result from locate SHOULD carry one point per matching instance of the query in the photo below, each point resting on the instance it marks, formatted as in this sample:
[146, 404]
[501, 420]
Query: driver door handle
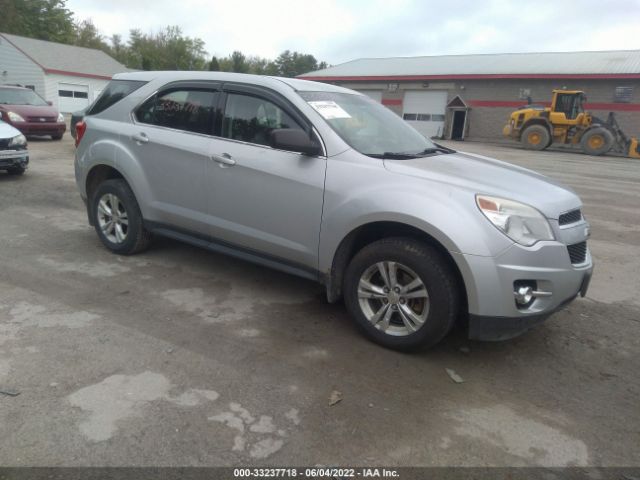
[224, 160]
[140, 138]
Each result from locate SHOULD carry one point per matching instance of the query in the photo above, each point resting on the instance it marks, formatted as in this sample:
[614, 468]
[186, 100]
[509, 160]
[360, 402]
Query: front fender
[356, 195]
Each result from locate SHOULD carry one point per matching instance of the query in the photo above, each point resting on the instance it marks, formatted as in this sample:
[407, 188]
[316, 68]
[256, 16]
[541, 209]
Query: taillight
[81, 127]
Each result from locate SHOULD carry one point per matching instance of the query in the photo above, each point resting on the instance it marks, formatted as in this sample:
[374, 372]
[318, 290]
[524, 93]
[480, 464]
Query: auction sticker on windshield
[329, 109]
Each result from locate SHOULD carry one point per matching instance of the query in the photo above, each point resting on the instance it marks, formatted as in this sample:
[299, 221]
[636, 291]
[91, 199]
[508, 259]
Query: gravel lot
[179, 356]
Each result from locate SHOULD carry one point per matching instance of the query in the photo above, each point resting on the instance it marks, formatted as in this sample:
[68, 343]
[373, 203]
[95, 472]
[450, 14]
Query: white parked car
[14, 156]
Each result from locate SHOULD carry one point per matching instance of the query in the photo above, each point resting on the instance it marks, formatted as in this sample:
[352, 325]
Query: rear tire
[536, 137]
[117, 218]
[596, 141]
[57, 137]
[420, 316]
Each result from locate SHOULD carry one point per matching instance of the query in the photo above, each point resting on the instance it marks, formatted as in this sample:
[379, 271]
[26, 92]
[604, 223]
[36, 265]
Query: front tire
[401, 293]
[117, 218]
[536, 137]
[57, 137]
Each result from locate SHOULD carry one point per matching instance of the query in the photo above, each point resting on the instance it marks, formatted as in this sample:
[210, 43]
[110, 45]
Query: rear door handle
[224, 160]
[140, 138]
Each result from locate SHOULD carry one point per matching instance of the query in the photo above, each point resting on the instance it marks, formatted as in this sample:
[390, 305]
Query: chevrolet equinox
[322, 182]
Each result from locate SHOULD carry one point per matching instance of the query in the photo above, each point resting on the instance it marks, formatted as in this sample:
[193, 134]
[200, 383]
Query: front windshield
[366, 125]
[16, 96]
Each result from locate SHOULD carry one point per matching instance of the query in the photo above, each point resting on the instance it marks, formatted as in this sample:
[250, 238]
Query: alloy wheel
[112, 218]
[393, 298]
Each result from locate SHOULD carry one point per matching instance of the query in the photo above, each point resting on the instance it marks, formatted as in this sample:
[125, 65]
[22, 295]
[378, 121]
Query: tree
[214, 65]
[165, 50]
[43, 19]
[118, 50]
[239, 62]
[87, 35]
[292, 64]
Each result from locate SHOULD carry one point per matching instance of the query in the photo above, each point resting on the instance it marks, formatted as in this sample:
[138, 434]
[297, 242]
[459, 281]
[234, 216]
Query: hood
[488, 176]
[31, 110]
[7, 131]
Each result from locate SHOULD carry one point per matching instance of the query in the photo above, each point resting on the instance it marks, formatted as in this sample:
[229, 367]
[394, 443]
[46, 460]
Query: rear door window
[188, 109]
[251, 119]
[115, 91]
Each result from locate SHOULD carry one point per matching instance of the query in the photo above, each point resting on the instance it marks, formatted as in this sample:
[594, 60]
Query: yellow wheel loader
[566, 122]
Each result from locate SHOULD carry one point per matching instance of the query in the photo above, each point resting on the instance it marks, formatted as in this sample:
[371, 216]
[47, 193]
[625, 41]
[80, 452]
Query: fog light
[524, 295]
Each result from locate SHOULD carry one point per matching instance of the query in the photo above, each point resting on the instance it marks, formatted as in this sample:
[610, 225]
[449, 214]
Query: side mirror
[50, 103]
[294, 140]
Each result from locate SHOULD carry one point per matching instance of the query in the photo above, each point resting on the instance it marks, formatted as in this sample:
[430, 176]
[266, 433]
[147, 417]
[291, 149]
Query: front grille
[4, 143]
[577, 252]
[40, 119]
[570, 217]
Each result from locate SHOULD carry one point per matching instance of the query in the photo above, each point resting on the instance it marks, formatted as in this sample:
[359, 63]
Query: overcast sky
[338, 31]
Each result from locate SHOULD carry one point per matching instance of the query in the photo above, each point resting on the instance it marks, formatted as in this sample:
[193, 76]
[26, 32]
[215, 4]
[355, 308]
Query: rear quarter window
[115, 91]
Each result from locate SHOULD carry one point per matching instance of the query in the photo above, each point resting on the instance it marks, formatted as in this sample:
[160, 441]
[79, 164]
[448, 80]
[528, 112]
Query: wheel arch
[113, 160]
[98, 173]
[370, 232]
[536, 121]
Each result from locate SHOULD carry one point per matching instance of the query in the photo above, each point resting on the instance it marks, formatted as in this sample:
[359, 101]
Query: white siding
[15, 67]
[52, 81]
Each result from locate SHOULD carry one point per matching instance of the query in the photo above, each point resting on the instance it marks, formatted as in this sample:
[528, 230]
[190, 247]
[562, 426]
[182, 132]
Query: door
[171, 140]
[458, 124]
[424, 111]
[72, 97]
[260, 198]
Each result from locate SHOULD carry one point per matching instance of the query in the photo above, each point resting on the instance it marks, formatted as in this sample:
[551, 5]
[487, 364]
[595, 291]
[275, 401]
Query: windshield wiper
[393, 155]
[437, 149]
[409, 155]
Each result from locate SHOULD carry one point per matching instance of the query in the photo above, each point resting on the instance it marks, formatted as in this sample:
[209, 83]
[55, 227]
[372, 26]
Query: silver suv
[322, 182]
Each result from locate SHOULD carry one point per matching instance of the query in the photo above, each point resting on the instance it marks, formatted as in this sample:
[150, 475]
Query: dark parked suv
[30, 113]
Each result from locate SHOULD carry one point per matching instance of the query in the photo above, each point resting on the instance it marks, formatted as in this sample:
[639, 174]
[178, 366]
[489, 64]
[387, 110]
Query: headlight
[521, 223]
[18, 141]
[60, 118]
[14, 117]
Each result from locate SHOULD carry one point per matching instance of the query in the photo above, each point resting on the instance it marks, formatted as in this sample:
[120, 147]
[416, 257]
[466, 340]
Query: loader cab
[569, 103]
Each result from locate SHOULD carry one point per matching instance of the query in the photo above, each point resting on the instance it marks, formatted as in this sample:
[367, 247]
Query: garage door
[72, 97]
[424, 111]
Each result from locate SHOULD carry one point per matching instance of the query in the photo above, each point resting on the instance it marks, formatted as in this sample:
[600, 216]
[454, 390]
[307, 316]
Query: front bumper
[13, 158]
[35, 128]
[503, 328]
[490, 283]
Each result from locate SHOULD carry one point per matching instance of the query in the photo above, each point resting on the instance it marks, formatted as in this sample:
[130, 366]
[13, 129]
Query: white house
[71, 77]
